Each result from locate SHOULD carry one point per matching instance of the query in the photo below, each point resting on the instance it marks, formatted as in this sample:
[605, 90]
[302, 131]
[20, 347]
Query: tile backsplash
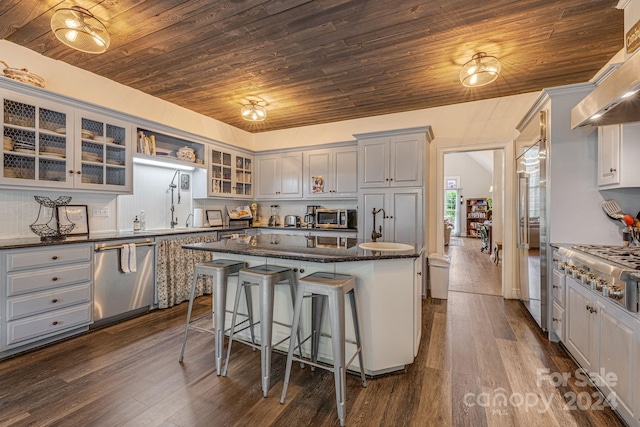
[151, 193]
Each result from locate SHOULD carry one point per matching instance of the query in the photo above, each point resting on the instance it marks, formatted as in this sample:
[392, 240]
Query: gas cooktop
[626, 256]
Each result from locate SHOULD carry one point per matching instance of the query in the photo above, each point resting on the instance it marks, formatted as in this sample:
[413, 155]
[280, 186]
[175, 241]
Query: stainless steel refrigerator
[531, 167]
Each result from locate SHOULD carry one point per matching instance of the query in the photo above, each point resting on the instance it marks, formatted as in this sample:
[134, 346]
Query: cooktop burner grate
[629, 257]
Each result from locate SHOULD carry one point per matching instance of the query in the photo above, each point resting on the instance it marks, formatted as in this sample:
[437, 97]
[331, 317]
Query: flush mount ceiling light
[78, 28]
[481, 70]
[253, 112]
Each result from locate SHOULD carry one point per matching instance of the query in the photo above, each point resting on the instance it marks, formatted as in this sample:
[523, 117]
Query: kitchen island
[389, 291]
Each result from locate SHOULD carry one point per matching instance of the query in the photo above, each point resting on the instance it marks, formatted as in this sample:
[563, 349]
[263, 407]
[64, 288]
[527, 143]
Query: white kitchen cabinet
[47, 294]
[558, 290]
[45, 146]
[401, 220]
[581, 328]
[618, 151]
[279, 176]
[331, 173]
[230, 173]
[618, 333]
[392, 160]
[38, 143]
[605, 341]
[103, 154]
[418, 280]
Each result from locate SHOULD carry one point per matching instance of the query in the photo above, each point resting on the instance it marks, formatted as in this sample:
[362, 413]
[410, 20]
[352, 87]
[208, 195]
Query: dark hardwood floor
[475, 349]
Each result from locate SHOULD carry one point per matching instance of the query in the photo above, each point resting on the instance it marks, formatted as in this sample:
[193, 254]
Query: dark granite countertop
[346, 230]
[28, 242]
[302, 248]
[105, 237]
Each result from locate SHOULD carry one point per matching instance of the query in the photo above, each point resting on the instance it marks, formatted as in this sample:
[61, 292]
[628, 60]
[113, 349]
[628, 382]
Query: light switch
[100, 211]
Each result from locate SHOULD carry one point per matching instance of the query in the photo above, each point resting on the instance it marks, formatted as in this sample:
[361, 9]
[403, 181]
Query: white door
[617, 357]
[268, 176]
[291, 175]
[405, 217]
[405, 153]
[580, 336]
[609, 155]
[374, 163]
[345, 172]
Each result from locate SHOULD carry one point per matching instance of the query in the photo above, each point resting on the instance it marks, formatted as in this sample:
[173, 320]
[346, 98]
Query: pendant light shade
[78, 28]
[481, 70]
[253, 112]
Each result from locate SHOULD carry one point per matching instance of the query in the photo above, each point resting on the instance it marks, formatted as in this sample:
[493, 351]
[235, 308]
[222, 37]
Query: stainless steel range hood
[608, 98]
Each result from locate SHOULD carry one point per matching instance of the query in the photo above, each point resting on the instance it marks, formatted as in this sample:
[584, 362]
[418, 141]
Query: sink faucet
[173, 186]
[375, 235]
[186, 224]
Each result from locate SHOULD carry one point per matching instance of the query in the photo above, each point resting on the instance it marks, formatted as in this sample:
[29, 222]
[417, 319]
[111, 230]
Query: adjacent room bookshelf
[476, 214]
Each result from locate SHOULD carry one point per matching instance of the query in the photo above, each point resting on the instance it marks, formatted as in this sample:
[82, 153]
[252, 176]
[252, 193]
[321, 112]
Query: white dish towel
[128, 260]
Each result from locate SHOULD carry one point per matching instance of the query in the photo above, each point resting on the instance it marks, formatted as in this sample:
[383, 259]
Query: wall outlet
[100, 211]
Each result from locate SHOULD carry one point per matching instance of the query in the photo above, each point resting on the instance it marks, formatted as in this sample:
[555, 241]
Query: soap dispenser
[136, 224]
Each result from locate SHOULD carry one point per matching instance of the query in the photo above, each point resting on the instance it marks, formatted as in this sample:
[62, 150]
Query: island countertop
[302, 248]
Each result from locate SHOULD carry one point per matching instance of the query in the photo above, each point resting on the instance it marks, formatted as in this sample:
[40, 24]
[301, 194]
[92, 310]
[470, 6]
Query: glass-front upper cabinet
[230, 174]
[37, 143]
[103, 153]
[48, 145]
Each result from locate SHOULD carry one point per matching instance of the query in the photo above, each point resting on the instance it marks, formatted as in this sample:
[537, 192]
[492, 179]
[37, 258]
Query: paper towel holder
[198, 218]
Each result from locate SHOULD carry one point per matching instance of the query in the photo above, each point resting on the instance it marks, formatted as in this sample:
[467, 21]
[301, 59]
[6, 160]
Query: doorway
[470, 177]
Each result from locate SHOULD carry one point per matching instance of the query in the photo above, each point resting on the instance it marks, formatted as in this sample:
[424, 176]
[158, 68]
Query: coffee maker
[310, 217]
[274, 219]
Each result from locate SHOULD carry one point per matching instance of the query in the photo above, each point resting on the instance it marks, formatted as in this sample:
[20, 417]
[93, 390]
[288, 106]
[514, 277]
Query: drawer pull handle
[419, 273]
[55, 300]
[55, 279]
[54, 323]
[55, 257]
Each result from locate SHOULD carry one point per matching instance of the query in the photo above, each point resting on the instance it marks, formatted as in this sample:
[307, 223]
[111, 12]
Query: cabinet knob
[390, 179]
[72, 171]
[386, 179]
[55, 257]
[302, 270]
[54, 323]
[588, 307]
[390, 216]
[78, 172]
[55, 300]
[613, 170]
[556, 287]
[54, 279]
[295, 270]
[419, 273]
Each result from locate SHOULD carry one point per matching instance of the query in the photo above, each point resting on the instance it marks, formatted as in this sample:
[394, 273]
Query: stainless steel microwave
[336, 218]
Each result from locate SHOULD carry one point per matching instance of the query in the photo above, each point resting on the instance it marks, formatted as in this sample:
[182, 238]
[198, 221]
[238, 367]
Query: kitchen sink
[385, 246]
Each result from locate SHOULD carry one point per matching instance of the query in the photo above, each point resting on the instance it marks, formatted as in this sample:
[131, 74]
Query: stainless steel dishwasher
[116, 294]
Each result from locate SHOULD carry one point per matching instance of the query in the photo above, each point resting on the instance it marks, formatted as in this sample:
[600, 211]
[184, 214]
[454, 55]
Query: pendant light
[481, 70]
[253, 112]
[78, 28]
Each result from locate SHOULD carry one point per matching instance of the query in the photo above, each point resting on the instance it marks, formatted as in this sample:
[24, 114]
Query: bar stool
[219, 270]
[333, 287]
[265, 277]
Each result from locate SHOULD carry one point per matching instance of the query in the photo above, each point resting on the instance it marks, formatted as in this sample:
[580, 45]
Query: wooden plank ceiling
[318, 61]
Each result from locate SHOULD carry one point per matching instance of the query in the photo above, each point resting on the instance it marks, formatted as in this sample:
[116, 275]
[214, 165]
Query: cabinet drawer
[48, 324]
[557, 321]
[558, 287]
[42, 302]
[47, 278]
[60, 254]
